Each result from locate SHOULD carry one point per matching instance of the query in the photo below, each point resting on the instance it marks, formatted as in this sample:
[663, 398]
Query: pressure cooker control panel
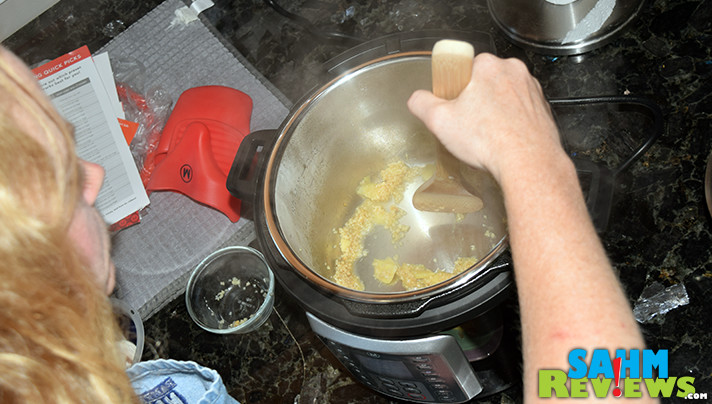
[432, 369]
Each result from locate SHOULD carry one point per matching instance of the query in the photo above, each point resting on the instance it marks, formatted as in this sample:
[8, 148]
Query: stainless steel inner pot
[350, 128]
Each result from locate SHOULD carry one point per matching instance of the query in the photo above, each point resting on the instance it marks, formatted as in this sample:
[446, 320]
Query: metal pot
[347, 129]
[562, 27]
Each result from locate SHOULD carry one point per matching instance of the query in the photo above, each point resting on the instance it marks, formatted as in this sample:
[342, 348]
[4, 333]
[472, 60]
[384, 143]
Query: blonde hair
[58, 334]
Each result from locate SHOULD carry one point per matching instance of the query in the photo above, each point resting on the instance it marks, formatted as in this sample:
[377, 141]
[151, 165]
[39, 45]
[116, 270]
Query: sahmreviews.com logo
[628, 374]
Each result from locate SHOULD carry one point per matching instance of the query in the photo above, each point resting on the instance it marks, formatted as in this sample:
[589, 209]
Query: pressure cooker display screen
[389, 368]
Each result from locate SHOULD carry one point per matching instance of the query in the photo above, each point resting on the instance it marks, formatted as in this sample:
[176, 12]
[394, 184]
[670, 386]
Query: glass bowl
[231, 291]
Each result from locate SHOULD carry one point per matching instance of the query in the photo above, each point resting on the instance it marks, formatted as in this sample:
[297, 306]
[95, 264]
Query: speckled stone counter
[659, 228]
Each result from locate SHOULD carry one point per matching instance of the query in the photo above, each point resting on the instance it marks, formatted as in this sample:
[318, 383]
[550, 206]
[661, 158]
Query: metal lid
[562, 27]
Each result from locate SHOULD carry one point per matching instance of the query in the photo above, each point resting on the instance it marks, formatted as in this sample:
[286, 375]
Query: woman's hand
[501, 120]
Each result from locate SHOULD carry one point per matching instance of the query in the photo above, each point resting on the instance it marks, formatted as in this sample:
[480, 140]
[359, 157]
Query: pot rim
[277, 237]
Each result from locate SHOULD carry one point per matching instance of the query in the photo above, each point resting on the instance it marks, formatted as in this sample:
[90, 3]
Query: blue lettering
[632, 364]
[173, 398]
[600, 364]
[655, 360]
[578, 366]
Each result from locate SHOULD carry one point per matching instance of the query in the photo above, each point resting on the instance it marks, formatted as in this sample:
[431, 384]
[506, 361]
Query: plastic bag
[657, 300]
[147, 106]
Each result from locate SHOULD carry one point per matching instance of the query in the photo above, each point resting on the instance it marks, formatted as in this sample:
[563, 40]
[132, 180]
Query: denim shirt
[166, 381]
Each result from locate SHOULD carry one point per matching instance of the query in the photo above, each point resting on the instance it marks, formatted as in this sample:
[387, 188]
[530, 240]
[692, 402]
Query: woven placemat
[154, 258]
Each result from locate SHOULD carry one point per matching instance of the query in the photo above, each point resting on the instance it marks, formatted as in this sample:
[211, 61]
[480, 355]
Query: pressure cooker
[445, 342]
[449, 341]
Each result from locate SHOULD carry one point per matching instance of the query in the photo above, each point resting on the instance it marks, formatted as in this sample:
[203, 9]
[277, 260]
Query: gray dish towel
[154, 258]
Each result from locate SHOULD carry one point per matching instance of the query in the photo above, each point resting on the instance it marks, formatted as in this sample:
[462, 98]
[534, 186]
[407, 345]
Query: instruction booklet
[76, 89]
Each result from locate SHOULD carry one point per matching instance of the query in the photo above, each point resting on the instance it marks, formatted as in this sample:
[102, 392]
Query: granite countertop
[659, 228]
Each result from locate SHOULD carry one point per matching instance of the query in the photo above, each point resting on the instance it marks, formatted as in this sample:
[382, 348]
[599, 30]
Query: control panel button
[387, 382]
[395, 392]
[424, 366]
[417, 396]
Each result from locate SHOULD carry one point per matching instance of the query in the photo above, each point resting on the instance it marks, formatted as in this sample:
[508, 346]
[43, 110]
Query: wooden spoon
[452, 67]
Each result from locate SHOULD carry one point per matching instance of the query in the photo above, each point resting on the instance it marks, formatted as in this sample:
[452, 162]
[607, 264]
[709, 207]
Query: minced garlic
[377, 209]
[240, 321]
[385, 270]
[419, 276]
[372, 212]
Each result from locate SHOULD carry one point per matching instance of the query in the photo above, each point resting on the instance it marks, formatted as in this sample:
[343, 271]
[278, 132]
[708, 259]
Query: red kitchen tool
[198, 144]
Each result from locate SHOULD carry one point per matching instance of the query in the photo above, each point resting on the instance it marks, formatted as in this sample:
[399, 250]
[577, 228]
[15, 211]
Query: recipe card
[73, 85]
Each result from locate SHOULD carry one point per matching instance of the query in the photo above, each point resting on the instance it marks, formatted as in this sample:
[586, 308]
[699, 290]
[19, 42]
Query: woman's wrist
[534, 165]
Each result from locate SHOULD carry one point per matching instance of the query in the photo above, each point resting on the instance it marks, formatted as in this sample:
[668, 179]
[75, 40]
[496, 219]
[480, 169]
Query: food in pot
[379, 208]
[371, 212]
[385, 270]
[416, 276]
[392, 184]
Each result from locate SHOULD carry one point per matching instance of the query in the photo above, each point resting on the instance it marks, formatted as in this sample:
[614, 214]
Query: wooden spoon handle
[452, 67]
[451, 70]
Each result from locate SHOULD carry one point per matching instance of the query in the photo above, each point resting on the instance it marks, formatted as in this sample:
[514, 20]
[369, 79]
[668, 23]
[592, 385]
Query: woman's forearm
[569, 295]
